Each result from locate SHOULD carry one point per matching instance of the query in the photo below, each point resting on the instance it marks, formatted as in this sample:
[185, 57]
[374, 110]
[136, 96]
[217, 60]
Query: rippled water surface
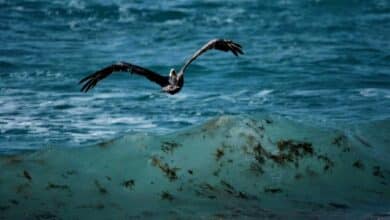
[323, 62]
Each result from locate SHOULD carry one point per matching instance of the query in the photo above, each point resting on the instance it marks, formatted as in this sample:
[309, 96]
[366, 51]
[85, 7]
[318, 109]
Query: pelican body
[176, 82]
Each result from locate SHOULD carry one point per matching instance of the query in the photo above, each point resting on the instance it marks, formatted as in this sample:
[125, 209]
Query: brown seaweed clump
[129, 184]
[169, 146]
[57, 186]
[101, 189]
[342, 142]
[260, 153]
[206, 190]
[376, 171]
[296, 147]
[219, 153]
[256, 168]
[339, 140]
[272, 190]
[232, 191]
[168, 171]
[358, 164]
[97, 206]
[291, 151]
[27, 175]
[338, 205]
[211, 192]
[165, 195]
[328, 162]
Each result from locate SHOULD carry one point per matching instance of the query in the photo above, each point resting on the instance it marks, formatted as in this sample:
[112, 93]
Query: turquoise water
[231, 167]
[312, 89]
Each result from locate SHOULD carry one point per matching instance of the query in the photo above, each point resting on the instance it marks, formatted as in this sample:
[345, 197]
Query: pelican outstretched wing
[91, 80]
[218, 44]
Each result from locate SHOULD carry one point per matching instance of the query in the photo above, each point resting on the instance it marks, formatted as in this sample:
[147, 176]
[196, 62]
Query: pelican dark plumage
[171, 84]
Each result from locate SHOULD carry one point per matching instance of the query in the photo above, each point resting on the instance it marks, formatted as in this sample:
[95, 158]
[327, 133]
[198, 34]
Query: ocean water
[319, 69]
[325, 62]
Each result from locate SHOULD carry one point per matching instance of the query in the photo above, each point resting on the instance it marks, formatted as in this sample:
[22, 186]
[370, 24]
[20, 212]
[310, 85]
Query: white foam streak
[374, 92]
[263, 93]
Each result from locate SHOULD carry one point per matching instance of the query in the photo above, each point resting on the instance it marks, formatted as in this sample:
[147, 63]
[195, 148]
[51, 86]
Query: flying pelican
[171, 84]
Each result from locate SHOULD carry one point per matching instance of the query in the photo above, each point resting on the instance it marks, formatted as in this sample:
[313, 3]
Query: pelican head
[172, 73]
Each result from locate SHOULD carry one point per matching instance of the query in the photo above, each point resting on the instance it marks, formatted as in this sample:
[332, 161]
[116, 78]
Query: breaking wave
[228, 167]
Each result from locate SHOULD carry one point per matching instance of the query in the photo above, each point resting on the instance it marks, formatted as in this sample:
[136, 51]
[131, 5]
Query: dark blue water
[322, 62]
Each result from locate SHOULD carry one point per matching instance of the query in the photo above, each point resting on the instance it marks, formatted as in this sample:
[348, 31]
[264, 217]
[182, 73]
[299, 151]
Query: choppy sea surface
[326, 62]
[297, 127]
